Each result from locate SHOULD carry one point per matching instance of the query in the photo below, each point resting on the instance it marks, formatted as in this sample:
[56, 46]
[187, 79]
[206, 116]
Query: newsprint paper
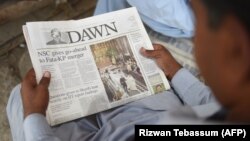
[94, 62]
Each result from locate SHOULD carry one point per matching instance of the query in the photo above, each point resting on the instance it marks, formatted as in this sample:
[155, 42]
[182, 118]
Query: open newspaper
[94, 62]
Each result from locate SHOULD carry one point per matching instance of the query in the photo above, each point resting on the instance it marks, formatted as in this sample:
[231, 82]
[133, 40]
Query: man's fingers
[150, 53]
[30, 77]
[161, 48]
[157, 46]
[44, 82]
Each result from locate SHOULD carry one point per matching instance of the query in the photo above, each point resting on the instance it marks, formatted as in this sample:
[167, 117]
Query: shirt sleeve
[172, 18]
[192, 91]
[36, 128]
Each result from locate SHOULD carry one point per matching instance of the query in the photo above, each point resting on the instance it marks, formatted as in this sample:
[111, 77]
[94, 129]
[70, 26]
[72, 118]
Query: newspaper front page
[95, 63]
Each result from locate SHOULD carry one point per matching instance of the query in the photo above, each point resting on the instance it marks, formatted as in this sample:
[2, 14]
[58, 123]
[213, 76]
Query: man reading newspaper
[222, 50]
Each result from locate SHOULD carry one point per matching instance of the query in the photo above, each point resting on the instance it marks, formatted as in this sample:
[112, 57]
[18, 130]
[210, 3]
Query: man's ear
[235, 44]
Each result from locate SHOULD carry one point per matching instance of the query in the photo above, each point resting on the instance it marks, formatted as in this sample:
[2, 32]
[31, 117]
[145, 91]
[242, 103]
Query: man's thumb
[45, 80]
[149, 53]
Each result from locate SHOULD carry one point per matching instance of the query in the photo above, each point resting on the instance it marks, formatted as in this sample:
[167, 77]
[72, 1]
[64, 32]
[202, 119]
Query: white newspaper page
[94, 62]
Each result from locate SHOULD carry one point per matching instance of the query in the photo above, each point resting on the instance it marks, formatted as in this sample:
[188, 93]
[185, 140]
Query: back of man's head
[222, 50]
[218, 9]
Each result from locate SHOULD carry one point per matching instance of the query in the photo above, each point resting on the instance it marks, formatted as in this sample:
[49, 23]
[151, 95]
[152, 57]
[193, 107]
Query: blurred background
[14, 57]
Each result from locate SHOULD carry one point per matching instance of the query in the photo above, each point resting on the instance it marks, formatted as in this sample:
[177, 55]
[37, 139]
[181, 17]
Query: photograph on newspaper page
[118, 68]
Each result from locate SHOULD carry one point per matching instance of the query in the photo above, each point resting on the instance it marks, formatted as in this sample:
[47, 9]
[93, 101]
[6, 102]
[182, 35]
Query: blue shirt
[118, 123]
[172, 18]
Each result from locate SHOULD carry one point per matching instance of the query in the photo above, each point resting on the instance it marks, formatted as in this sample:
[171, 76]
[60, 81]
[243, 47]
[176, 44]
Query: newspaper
[94, 62]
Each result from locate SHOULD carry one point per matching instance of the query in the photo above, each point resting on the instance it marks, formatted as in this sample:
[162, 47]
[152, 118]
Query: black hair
[218, 9]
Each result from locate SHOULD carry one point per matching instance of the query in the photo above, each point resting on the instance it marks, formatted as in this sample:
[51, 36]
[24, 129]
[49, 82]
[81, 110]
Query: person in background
[172, 18]
[124, 84]
[130, 80]
[222, 50]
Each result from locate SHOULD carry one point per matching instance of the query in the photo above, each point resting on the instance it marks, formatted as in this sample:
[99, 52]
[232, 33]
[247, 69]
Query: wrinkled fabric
[118, 123]
[172, 18]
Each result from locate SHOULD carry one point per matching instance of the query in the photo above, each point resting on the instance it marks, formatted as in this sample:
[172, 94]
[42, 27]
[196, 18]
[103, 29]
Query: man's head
[222, 48]
[56, 34]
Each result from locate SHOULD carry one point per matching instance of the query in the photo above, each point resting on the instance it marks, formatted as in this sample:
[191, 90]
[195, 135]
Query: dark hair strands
[218, 9]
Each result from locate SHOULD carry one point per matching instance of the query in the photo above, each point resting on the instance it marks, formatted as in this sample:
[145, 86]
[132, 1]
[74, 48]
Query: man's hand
[164, 60]
[35, 96]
